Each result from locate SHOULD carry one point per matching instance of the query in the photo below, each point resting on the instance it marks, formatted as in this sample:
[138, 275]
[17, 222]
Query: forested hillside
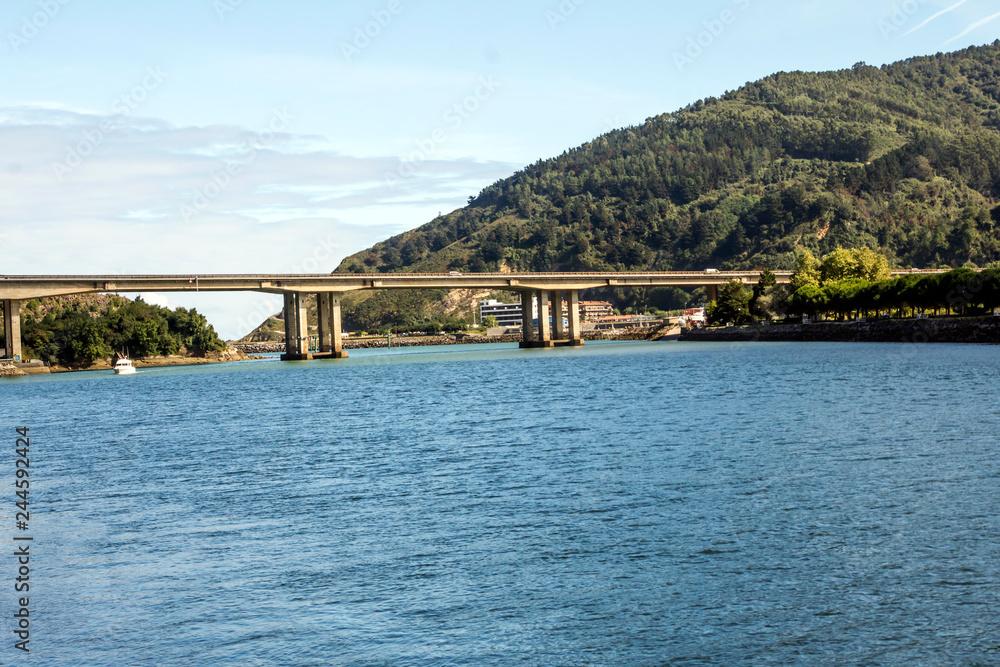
[903, 158]
[82, 329]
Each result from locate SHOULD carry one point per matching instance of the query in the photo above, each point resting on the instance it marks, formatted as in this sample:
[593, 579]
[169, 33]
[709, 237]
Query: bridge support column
[544, 336]
[331, 339]
[12, 328]
[527, 317]
[554, 333]
[296, 329]
[323, 314]
[575, 329]
[713, 292]
[544, 323]
[558, 330]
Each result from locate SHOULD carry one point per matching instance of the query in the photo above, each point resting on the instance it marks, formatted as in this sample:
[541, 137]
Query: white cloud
[935, 16]
[975, 26]
[291, 207]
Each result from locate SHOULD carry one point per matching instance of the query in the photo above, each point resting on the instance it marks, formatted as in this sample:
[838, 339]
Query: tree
[854, 264]
[84, 341]
[845, 297]
[807, 271]
[870, 265]
[490, 322]
[839, 265]
[761, 291]
[732, 305]
[808, 300]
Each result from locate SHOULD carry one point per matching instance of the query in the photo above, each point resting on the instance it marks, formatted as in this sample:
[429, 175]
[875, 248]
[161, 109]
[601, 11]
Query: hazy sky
[217, 136]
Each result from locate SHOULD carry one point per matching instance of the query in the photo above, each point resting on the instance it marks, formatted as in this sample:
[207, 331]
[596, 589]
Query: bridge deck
[29, 287]
[538, 287]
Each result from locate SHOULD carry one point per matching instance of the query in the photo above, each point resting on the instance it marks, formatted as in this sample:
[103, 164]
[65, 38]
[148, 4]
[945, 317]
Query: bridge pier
[527, 319]
[331, 339]
[544, 321]
[552, 333]
[575, 328]
[558, 330]
[296, 329]
[12, 328]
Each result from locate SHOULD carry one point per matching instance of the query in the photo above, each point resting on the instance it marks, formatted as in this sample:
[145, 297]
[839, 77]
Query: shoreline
[982, 330]
[427, 341]
[28, 369]
[248, 351]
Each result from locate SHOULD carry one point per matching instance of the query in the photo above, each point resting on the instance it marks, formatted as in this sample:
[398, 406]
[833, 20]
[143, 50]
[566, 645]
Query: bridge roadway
[33, 287]
[545, 287]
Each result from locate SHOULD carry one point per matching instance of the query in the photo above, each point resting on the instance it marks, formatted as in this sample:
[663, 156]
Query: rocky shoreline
[425, 341]
[932, 330]
[227, 355]
[250, 351]
[9, 370]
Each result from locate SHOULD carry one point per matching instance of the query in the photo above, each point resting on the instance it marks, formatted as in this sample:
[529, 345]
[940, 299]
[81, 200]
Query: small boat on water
[123, 366]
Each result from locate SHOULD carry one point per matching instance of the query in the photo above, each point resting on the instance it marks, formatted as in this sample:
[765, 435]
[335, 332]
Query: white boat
[123, 366]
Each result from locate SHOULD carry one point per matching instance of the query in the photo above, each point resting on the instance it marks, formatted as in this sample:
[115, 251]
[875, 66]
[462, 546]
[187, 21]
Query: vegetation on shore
[856, 283]
[961, 291]
[80, 331]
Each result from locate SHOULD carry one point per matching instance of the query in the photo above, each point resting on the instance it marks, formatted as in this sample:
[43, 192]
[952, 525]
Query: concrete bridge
[546, 287]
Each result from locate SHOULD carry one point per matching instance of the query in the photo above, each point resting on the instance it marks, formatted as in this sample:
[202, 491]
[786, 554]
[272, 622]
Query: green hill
[904, 158]
[78, 330]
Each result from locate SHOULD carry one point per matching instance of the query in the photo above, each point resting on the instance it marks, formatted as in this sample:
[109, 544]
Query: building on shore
[507, 314]
[693, 317]
[592, 311]
[627, 322]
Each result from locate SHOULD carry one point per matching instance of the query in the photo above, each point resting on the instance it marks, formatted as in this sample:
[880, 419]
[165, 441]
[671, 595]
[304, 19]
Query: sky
[251, 136]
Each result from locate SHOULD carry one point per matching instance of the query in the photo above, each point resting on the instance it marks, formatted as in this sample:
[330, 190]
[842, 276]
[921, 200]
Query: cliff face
[904, 158]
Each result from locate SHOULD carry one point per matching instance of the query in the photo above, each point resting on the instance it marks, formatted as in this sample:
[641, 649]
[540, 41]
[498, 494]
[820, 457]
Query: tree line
[81, 333]
[856, 283]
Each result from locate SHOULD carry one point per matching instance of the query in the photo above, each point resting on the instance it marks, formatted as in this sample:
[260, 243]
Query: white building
[507, 314]
[692, 317]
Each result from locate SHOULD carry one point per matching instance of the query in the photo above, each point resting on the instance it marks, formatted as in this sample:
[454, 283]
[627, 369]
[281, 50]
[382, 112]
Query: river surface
[619, 504]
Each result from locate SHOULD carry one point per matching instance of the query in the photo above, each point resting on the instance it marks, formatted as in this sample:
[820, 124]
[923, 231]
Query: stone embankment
[933, 330]
[422, 341]
[9, 370]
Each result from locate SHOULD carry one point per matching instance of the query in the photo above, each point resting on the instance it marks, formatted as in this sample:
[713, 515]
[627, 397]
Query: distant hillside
[904, 158]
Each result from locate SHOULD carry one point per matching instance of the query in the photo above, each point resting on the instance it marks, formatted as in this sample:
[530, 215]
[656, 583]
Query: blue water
[619, 504]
